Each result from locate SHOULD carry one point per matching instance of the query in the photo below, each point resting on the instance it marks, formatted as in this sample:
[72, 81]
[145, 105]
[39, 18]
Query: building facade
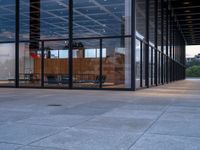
[90, 44]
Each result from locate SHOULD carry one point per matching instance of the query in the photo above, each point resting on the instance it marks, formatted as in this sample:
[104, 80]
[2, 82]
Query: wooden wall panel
[113, 68]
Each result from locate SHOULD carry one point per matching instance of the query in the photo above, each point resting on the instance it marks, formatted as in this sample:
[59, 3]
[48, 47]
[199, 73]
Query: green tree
[193, 71]
[193, 63]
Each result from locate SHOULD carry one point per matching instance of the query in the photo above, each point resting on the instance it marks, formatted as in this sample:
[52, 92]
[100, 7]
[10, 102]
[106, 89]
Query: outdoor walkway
[161, 118]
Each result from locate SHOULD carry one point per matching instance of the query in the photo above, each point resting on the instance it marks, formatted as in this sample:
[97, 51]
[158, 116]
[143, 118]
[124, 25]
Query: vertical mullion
[70, 65]
[152, 65]
[147, 44]
[133, 45]
[167, 38]
[42, 64]
[101, 67]
[17, 15]
[141, 64]
[162, 40]
[156, 42]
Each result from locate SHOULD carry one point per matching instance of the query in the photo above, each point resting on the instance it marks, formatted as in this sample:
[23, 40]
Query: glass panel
[137, 66]
[29, 52]
[7, 43]
[143, 65]
[153, 71]
[41, 20]
[152, 22]
[158, 67]
[102, 18]
[56, 64]
[140, 18]
[86, 64]
[150, 64]
[117, 64]
[29, 65]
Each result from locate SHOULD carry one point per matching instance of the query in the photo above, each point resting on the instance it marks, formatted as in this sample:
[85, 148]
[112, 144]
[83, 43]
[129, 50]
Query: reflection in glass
[86, 65]
[7, 45]
[7, 64]
[116, 71]
[137, 66]
[29, 66]
[94, 18]
[56, 64]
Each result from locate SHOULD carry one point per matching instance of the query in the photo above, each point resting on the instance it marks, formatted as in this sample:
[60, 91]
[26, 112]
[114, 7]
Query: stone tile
[82, 139]
[117, 124]
[183, 109]
[81, 110]
[165, 142]
[24, 134]
[104, 104]
[39, 148]
[179, 128]
[140, 114]
[143, 107]
[6, 146]
[187, 101]
[11, 116]
[181, 116]
[56, 120]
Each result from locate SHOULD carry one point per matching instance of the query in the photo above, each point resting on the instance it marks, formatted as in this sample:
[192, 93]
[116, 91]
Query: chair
[64, 79]
[52, 79]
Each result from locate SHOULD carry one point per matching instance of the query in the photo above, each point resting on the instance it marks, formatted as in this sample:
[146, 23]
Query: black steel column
[156, 43]
[167, 42]
[133, 45]
[162, 40]
[147, 45]
[17, 15]
[141, 64]
[42, 64]
[170, 46]
[70, 44]
[152, 65]
[34, 27]
[100, 65]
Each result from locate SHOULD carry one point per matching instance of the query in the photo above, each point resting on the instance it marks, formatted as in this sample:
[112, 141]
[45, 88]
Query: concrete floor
[160, 118]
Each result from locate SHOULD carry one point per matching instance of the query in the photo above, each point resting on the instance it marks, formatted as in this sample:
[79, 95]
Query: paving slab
[56, 120]
[8, 146]
[90, 139]
[160, 118]
[165, 142]
[39, 148]
[117, 124]
[25, 133]
[179, 128]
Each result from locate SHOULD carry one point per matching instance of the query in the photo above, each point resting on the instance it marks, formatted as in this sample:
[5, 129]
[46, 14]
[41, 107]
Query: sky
[193, 50]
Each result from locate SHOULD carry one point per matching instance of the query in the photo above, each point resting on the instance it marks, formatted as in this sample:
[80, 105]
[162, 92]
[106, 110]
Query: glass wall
[138, 63]
[55, 63]
[41, 21]
[140, 33]
[86, 64]
[7, 43]
[29, 46]
[103, 19]
[116, 64]
[97, 53]
[94, 18]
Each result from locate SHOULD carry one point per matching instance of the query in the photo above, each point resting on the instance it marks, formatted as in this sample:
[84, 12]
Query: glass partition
[7, 43]
[86, 63]
[56, 68]
[94, 18]
[116, 72]
[138, 63]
